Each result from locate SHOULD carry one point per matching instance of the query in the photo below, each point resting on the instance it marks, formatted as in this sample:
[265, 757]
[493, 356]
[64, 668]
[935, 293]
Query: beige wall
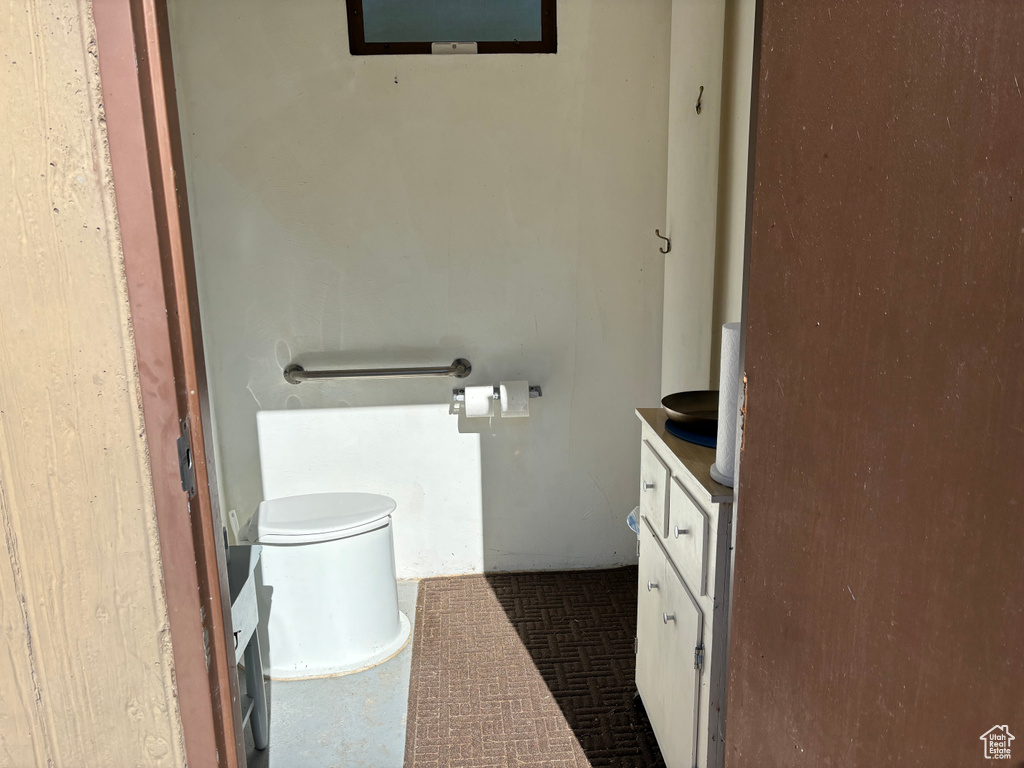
[404, 209]
[85, 672]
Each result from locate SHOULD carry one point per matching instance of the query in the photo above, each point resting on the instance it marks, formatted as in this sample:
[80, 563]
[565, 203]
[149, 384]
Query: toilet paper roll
[479, 402]
[728, 404]
[515, 399]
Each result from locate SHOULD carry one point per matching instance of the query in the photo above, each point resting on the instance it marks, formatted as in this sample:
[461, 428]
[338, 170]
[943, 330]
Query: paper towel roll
[728, 398]
[515, 399]
[479, 402]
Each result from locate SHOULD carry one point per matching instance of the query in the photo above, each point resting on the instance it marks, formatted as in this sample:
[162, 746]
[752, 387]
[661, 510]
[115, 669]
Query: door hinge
[185, 465]
[636, 646]
[698, 658]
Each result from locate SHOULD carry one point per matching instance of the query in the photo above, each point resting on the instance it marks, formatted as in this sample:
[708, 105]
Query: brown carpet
[528, 669]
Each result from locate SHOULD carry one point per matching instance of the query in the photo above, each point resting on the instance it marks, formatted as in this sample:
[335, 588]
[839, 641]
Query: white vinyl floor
[341, 722]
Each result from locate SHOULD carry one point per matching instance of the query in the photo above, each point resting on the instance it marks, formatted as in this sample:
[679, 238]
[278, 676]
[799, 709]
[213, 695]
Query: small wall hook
[699, 97]
[668, 243]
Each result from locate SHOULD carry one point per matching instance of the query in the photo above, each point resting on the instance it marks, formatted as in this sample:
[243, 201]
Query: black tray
[698, 406]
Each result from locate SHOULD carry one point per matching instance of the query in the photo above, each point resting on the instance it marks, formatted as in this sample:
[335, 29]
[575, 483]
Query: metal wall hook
[668, 243]
[699, 97]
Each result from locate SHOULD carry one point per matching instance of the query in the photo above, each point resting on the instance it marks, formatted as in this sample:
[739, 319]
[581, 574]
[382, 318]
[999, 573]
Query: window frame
[359, 47]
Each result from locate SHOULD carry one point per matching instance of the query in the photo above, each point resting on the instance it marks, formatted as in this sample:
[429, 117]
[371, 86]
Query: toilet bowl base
[385, 654]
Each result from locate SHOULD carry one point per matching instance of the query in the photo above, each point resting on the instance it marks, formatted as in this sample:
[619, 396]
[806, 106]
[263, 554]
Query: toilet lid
[321, 517]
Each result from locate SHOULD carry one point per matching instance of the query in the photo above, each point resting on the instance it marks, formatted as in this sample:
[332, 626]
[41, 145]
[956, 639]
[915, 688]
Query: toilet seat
[319, 517]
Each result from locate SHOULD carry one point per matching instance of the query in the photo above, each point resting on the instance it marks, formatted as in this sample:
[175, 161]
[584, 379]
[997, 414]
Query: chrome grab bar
[296, 374]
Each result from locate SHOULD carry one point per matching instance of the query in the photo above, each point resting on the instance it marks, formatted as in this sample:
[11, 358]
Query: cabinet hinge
[185, 464]
[635, 646]
[698, 658]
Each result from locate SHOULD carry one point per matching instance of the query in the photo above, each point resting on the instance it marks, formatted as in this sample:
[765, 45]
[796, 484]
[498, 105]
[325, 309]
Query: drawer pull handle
[652, 585]
[681, 531]
[648, 486]
[667, 617]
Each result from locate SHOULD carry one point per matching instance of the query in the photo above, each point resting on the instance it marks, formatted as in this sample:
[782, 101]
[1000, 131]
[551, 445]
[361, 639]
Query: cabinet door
[649, 623]
[682, 634]
[654, 479]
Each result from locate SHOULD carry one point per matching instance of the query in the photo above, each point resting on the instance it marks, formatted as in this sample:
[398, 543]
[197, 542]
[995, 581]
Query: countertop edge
[696, 459]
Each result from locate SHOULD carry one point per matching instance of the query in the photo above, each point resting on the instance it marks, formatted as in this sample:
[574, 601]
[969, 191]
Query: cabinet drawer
[654, 482]
[689, 530]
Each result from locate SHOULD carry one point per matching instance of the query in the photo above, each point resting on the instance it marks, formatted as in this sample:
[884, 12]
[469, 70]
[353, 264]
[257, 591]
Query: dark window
[443, 26]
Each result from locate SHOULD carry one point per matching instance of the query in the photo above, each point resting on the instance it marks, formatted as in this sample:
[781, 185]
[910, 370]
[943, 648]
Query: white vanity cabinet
[682, 608]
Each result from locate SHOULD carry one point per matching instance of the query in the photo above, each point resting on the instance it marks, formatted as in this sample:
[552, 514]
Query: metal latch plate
[185, 461]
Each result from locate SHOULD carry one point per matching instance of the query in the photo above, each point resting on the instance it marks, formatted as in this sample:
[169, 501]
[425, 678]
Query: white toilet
[328, 564]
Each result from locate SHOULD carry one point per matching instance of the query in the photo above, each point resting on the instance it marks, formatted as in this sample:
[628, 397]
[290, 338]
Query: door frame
[140, 110]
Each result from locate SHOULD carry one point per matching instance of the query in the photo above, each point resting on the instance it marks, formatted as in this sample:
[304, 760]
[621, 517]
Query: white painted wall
[413, 453]
[732, 174]
[384, 210]
[698, 30]
[705, 212]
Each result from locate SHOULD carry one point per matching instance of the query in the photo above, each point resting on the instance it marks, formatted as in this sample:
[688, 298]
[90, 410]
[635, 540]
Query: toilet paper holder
[459, 395]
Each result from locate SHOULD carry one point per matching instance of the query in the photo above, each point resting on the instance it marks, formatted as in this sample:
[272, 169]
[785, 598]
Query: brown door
[145, 149]
[878, 612]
